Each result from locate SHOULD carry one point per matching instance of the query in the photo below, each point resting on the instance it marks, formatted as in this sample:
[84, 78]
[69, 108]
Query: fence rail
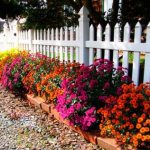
[78, 44]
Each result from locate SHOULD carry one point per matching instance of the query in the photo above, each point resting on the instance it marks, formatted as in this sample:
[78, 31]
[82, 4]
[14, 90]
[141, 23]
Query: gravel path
[23, 127]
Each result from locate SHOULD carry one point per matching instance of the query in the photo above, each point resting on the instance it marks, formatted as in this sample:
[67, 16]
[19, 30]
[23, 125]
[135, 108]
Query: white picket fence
[78, 44]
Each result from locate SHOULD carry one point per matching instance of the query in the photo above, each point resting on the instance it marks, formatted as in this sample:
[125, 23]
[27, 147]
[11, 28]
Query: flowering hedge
[96, 96]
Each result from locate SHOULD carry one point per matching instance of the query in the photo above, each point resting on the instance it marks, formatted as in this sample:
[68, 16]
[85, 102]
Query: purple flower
[106, 86]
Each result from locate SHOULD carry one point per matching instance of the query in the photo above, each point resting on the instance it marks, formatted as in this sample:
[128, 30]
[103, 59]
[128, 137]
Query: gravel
[23, 127]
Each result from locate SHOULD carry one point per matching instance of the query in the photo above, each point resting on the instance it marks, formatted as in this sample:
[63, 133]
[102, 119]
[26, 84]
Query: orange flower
[146, 129]
[139, 136]
[148, 137]
[144, 138]
[131, 126]
[135, 143]
[148, 121]
[143, 115]
[134, 115]
[140, 120]
[147, 92]
[138, 126]
[142, 130]
[146, 105]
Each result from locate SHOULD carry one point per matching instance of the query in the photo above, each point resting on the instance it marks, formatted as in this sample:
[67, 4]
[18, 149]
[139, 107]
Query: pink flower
[15, 80]
[93, 83]
[119, 90]
[90, 111]
[102, 98]
[16, 75]
[106, 86]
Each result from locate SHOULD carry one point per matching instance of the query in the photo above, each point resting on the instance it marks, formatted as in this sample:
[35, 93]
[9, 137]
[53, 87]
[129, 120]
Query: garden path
[23, 127]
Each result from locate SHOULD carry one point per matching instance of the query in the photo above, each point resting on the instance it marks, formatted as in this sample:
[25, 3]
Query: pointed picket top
[108, 25]
[56, 35]
[71, 33]
[91, 34]
[61, 33]
[117, 25]
[138, 32]
[148, 33]
[148, 26]
[77, 33]
[127, 25]
[48, 34]
[107, 32]
[52, 34]
[99, 27]
[138, 28]
[44, 34]
[127, 32]
[117, 32]
[83, 11]
[66, 33]
[99, 32]
[138, 24]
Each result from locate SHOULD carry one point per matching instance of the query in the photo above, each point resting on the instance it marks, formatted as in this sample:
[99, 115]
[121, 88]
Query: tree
[10, 8]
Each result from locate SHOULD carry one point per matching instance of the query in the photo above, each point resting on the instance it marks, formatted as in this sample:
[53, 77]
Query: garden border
[107, 143]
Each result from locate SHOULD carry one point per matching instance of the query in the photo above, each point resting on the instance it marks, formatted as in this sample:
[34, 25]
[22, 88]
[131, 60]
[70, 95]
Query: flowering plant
[14, 71]
[41, 66]
[85, 93]
[6, 57]
[127, 117]
[50, 84]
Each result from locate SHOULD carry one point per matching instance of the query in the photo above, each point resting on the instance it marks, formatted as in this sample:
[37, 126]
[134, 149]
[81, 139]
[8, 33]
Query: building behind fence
[78, 44]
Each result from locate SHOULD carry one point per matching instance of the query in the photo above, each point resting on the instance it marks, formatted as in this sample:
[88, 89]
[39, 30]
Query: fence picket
[66, 48]
[136, 56]
[77, 48]
[91, 51]
[71, 48]
[56, 47]
[147, 58]
[107, 38]
[48, 38]
[116, 39]
[61, 48]
[52, 47]
[99, 38]
[126, 39]
[44, 38]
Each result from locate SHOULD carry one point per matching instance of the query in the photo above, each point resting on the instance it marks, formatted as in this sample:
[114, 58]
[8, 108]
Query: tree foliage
[10, 8]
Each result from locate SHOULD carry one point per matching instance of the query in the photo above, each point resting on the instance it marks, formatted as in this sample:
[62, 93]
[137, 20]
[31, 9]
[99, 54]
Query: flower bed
[84, 95]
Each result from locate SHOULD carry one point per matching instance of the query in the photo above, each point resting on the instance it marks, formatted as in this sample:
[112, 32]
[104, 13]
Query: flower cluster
[88, 91]
[13, 72]
[127, 117]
